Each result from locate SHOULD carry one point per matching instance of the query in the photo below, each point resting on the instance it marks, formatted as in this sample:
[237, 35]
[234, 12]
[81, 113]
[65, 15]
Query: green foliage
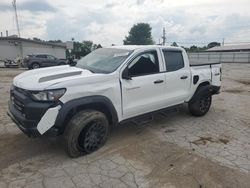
[196, 49]
[204, 48]
[174, 44]
[213, 44]
[54, 41]
[81, 49]
[139, 34]
[96, 46]
[36, 39]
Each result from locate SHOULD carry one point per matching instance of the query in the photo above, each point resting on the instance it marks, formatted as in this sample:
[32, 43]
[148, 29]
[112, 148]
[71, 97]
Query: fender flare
[204, 89]
[83, 101]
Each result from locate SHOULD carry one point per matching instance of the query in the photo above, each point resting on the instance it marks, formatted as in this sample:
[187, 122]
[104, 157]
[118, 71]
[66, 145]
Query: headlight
[48, 95]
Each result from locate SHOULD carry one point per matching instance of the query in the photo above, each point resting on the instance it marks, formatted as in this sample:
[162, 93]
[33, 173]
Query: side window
[174, 60]
[51, 57]
[41, 56]
[146, 63]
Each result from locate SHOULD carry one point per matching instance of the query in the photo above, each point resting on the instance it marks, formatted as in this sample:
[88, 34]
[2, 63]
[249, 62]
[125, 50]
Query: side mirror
[125, 74]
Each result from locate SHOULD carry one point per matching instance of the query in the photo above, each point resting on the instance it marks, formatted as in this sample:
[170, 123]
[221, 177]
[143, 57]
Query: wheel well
[203, 84]
[93, 106]
[35, 62]
[206, 83]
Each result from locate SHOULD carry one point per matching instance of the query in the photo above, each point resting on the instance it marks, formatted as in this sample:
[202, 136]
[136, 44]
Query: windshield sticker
[121, 54]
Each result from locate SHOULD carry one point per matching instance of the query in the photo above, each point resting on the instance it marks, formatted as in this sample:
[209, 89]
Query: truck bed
[202, 62]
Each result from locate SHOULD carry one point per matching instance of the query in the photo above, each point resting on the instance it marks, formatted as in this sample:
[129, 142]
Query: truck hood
[40, 79]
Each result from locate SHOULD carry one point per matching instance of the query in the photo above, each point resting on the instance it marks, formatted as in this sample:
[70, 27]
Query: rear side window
[174, 60]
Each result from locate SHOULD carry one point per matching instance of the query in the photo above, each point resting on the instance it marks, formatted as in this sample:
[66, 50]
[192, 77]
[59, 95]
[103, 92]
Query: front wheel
[200, 105]
[86, 132]
[35, 66]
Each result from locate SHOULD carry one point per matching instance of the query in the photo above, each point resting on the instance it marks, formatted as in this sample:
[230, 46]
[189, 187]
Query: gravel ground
[174, 151]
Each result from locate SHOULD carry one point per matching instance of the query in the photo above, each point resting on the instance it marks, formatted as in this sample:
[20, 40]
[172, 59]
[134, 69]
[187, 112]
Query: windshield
[103, 60]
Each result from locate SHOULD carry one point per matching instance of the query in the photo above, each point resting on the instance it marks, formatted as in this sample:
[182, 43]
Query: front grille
[18, 104]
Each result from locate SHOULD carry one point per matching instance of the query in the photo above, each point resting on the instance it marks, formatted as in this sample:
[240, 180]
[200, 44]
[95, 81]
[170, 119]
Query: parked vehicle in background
[35, 61]
[71, 61]
[8, 63]
[107, 87]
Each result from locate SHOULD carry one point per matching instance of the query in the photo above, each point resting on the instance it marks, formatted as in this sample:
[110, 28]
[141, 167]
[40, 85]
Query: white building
[231, 48]
[12, 47]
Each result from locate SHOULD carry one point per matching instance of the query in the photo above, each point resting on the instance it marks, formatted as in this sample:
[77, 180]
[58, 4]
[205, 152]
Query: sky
[187, 22]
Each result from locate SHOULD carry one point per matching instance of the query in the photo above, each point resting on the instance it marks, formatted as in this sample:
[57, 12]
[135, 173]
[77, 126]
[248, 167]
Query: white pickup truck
[107, 87]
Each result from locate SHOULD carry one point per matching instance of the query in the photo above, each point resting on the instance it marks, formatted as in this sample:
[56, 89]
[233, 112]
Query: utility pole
[17, 24]
[164, 37]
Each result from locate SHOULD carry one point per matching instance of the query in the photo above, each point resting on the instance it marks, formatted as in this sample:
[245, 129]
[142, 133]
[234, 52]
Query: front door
[144, 92]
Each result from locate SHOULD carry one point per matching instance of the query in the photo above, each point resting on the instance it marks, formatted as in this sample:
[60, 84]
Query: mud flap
[48, 120]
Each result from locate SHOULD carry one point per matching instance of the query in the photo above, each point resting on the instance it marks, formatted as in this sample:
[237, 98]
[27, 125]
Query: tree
[213, 44]
[96, 46]
[81, 49]
[139, 34]
[36, 39]
[54, 41]
[174, 44]
[193, 48]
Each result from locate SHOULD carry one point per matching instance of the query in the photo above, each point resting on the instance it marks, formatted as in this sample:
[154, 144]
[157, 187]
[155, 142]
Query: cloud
[5, 7]
[31, 5]
[34, 6]
[187, 22]
[110, 5]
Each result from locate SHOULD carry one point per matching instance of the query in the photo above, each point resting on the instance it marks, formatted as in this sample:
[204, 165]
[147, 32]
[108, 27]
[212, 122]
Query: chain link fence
[223, 57]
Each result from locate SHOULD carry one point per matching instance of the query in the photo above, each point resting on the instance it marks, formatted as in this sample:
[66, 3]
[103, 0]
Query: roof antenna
[17, 24]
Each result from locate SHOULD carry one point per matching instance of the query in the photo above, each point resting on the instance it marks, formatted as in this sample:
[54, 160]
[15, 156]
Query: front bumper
[27, 114]
[26, 126]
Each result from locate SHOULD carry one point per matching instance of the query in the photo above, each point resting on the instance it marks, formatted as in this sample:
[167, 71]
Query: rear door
[52, 60]
[42, 60]
[145, 91]
[177, 77]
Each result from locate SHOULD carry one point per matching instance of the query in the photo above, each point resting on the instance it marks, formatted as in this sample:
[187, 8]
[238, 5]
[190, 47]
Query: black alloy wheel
[93, 138]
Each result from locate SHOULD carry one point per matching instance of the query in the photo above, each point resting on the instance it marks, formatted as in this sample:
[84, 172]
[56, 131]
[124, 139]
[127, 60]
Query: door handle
[184, 77]
[158, 81]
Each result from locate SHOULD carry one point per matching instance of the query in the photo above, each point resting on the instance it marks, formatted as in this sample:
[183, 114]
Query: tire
[201, 104]
[61, 63]
[35, 66]
[85, 133]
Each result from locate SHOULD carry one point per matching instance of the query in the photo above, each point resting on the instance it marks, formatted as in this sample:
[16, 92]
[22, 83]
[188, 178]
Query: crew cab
[107, 87]
[35, 61]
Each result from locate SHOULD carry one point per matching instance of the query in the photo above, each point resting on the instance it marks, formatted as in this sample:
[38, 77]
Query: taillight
[220, 73]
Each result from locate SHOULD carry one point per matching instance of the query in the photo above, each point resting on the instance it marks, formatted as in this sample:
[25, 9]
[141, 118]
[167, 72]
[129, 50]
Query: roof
[62, 45]
[242, 47]
[136, 47]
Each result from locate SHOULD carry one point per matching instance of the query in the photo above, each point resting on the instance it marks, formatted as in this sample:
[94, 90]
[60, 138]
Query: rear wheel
[200, 105]
[86, 132]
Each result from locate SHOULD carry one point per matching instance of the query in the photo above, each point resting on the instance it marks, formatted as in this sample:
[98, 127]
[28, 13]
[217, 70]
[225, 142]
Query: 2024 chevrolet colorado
[107, 87]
